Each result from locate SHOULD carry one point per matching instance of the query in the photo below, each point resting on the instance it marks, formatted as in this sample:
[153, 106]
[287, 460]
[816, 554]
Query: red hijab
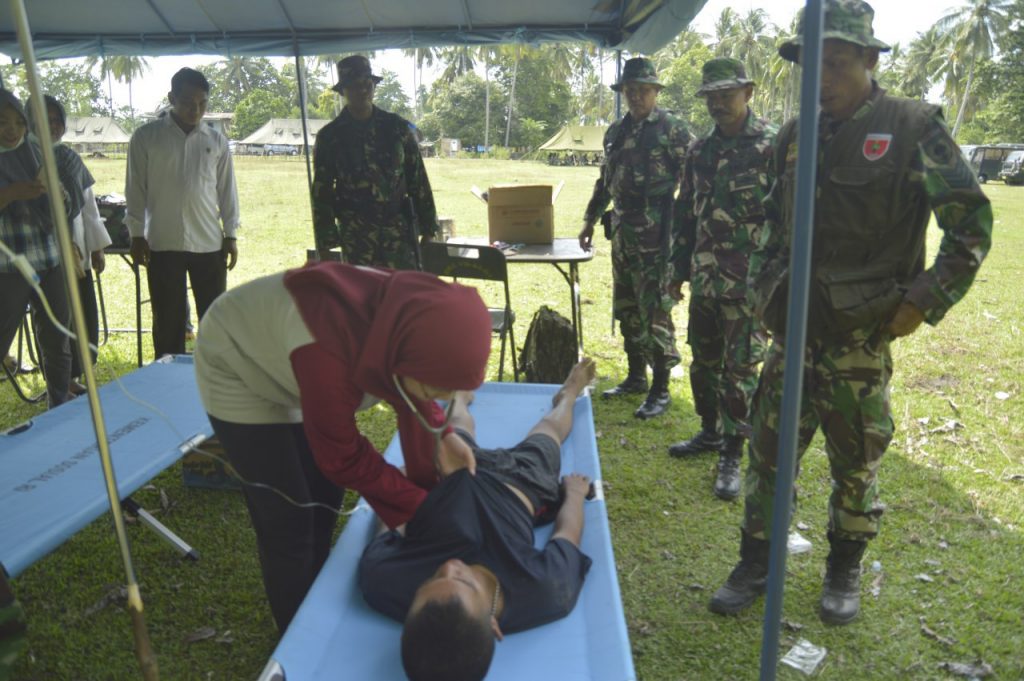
[381, 323]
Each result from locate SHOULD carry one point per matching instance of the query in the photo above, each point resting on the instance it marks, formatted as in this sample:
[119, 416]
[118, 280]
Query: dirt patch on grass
[934, 384]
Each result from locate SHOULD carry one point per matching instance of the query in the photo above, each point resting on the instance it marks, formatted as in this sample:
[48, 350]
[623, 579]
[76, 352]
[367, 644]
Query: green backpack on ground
[550, 349]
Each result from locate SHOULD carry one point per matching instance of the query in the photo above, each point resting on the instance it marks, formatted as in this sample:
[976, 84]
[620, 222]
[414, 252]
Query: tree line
[519, 95]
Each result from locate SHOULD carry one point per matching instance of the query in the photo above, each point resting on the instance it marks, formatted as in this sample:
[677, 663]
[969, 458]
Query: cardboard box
[520, 213]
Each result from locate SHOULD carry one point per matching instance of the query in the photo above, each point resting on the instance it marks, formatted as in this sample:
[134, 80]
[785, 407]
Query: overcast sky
[895, 21]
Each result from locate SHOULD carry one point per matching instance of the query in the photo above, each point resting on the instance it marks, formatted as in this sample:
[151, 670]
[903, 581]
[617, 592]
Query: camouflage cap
[350, 69]
[848, 20]
[722, 73]
[638, 70]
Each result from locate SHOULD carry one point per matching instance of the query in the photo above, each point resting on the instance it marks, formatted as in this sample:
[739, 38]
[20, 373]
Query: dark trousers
[293, 542]
[167, 290]
[87, 292]
[15, 295]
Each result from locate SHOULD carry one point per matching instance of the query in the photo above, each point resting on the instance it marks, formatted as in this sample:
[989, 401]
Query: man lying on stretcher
[466, 569]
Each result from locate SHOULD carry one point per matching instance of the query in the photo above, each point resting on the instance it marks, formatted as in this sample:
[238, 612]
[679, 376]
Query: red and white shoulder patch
[876, 145]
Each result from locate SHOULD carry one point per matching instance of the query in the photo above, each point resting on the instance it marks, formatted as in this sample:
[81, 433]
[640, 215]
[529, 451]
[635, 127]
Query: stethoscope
[436, 431]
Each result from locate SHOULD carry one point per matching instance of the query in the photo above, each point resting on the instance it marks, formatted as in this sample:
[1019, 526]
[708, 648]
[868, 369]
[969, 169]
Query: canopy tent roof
[94, 130]
[285, 131]
[64, 29]
[577, 138]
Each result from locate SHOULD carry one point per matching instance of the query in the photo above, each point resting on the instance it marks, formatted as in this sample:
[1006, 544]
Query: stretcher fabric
[336, 635]
[51, 480]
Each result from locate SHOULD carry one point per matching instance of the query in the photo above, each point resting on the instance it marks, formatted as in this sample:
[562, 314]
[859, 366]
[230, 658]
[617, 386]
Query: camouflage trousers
[12, 629]
[846, 394]
[378, 245]
[727, 344]
[641, 301]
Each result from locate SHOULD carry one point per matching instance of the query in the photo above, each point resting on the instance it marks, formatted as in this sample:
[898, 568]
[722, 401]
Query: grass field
[950, 588]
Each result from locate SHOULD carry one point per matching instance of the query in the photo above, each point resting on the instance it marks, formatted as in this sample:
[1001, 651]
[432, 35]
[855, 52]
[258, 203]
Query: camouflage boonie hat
[722, 73]
[848, 20]
[356, 67]
[638, 70]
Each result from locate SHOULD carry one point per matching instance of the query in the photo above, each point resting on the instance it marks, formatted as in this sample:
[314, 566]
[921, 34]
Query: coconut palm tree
[970, 33]
[917, 68]
[750, 40]
[420, 56]
[126, 69]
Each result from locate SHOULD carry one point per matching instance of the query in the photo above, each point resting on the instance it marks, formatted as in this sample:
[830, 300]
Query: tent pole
[618, 77]
[143, 650]
[300, 78]
[796, 332]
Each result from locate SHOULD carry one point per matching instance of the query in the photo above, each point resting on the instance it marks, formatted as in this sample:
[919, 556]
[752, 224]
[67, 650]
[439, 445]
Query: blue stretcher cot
[51, 481]
[336, 636]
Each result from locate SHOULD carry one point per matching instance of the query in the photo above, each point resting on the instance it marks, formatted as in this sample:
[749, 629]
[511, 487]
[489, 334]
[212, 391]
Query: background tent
[309, 27]
[588, 138]
[90, 130]
[286, 131]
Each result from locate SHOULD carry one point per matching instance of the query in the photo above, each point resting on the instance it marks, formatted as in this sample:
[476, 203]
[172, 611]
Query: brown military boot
[747, 580]
[840, 595]
[635, 382]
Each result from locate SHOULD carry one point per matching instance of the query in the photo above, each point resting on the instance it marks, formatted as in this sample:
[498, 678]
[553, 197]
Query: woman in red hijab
[283, 364]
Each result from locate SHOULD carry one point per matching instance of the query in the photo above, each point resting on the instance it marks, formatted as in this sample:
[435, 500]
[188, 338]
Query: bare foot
[579, 378]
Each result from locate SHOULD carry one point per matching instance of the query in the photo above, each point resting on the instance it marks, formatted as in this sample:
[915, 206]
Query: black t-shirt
[476, 519]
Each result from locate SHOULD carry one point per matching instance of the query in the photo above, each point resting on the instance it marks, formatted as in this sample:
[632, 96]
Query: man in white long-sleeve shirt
[182, 209]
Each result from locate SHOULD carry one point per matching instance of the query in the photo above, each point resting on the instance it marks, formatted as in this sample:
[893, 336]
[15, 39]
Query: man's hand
[905, 321]
[140, 251]
[576, 484]
[99, 261]
[675, 289]
[587, 236]
[454, 455]
[229, 249]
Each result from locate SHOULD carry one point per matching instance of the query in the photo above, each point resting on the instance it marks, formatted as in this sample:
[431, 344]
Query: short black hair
[443, 642]
[185, 77]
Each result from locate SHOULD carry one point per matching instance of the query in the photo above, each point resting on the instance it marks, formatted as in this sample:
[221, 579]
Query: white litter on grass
[804, 657]
[797, 543]
[1002, 395]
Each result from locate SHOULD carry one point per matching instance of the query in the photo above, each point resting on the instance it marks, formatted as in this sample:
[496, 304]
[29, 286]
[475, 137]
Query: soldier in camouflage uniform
[12, 628]
[371, 195]
[885, 164]
[643, 162]
[728, 173]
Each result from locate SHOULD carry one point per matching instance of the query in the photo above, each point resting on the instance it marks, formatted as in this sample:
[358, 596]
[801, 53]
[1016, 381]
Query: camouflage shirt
[643, 161]
[720, 210]
[874, 199]
[363, 172]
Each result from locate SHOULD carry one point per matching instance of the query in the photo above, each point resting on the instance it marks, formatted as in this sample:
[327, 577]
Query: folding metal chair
[484, 263]
[27, 344]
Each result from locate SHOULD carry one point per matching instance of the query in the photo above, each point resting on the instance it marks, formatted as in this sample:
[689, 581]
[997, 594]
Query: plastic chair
[486, 263]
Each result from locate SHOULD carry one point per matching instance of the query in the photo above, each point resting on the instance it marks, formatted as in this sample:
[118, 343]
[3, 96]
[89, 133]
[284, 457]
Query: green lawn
[955, 496]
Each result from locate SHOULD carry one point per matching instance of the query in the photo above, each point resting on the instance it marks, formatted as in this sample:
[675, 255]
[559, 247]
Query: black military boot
[658, 399]
[635, 382]
[747, 580]
[727, 484]
[707, 440]
[840, 595]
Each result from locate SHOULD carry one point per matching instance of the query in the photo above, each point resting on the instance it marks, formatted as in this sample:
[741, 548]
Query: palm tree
[126, 69]
[970, 32]
[457, 60]
[917, 69]
[750, 41]
[420, 56]
[106, 71]
[724, 27]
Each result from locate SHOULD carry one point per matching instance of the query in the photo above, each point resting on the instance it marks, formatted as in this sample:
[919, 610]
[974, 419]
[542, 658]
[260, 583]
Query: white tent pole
[300, 79]
[143, 649]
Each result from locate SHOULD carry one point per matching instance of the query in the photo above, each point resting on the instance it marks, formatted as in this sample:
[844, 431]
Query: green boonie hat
[638, 70]
[356, 67]
[848, 20]
[722, 73]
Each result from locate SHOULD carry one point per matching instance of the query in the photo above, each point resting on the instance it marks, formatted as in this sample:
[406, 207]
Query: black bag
[549, 353]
